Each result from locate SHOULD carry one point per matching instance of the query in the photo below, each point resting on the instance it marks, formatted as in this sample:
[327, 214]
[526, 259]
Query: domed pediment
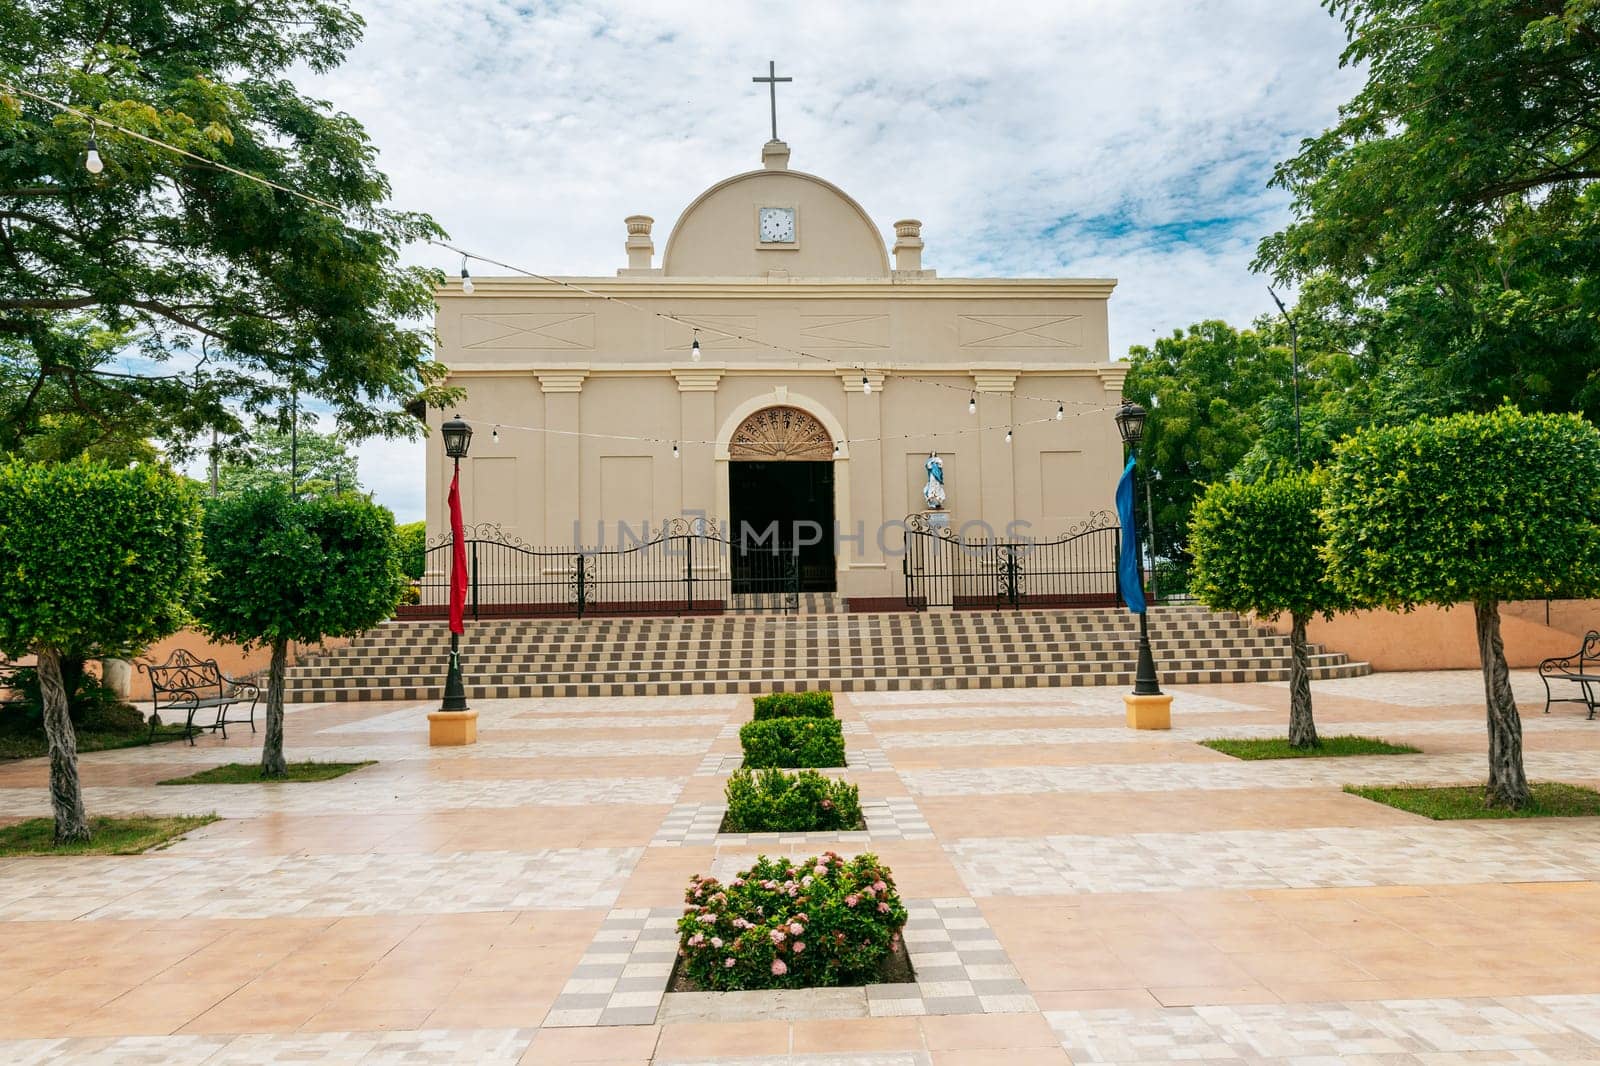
[775, 219]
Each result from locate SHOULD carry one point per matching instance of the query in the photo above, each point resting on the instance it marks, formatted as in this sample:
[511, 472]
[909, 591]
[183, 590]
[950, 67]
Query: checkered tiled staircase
[745, 653]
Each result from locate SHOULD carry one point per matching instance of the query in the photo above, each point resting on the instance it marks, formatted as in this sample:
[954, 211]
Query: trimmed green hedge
[794, 705]
[776, 802]
[792, 742]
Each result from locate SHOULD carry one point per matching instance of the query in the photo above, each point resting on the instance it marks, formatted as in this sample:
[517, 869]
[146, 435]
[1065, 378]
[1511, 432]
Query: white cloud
[1087, 138]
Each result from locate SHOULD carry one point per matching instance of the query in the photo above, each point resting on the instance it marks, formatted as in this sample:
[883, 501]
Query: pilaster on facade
[698, 380]
[851, 378]
[995, 380]
[562, 380]
[1112, 376]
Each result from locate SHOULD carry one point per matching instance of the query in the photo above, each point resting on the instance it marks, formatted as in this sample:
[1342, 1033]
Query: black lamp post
[1130, 425]
[457, 439]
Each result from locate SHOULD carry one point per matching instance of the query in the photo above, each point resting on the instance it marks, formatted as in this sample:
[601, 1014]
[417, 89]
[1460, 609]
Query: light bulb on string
[694, 348]
[972, 404]
[91, 160]
[466, 278]
[1061, 411]
[836, 449]
[866, 385]
[674, 449]
[1008, 434]
[494, 435]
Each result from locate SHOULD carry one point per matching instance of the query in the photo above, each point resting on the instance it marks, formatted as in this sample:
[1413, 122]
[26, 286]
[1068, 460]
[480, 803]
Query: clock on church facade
[776, 225]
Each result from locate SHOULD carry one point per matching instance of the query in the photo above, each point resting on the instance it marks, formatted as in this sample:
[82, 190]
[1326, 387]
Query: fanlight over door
[780, 434]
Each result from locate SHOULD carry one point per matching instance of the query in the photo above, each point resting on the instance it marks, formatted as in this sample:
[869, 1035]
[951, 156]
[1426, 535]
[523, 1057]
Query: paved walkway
[1078, 892]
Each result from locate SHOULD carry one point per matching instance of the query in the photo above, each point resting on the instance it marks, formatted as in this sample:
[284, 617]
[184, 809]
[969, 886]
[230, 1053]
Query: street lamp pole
[1294, 367]
[1130, 425]
[457, 439]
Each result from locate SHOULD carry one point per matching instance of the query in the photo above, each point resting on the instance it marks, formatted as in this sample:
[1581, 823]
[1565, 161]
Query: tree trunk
[1508, 784]
[66, 795]
[1302, 728]
[272, 761]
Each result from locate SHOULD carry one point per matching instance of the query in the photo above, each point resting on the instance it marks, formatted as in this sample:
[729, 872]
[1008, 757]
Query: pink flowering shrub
[787, 924]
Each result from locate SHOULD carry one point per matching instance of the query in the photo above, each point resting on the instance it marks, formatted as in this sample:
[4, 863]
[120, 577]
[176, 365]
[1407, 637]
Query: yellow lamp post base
[1148, 712]
[453, 728]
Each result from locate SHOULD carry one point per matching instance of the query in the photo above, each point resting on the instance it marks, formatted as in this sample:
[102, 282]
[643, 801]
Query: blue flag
[1128, 563]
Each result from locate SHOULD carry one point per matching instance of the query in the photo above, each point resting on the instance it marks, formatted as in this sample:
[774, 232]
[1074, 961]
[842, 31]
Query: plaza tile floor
[1079, 892]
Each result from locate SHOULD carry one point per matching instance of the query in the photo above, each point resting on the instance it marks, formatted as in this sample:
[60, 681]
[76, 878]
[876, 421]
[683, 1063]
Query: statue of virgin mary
[933, 491]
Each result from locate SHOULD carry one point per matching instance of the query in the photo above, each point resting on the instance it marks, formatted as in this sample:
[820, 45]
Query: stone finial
[640, 247]
[775, 155]
[908, 244]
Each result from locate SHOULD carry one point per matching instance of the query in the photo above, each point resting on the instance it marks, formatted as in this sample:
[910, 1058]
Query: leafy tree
[96, 560]
[1470, 509]
[413, 549]
[320, 462]
[286, 570]
[226, 296]
[1257, 548]
[1203, 389]
[1454, 202]
[54, 419]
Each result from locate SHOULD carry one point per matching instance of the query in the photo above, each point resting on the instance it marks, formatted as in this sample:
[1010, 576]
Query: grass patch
[1551, 799]
[110, 836]
[1331, 747]
[99, 728]
[242, 773]
[35, 745]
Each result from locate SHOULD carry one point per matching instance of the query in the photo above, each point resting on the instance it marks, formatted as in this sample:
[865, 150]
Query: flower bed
[792, 742]
[823, 922]
[772, 801]
[793, 705]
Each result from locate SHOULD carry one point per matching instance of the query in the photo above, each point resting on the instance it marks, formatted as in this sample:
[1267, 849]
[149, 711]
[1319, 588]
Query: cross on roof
[772, 81]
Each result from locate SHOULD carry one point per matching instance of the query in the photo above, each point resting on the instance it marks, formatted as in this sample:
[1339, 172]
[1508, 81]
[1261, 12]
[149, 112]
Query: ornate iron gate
[1076, 569]
[685, 568]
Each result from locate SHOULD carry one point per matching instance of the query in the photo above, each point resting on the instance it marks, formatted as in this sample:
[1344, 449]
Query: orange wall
[1446, 638]
[231, 658]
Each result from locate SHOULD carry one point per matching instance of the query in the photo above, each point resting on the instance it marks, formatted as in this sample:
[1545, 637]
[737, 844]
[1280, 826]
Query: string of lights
[838, 445]
[94, 163]
[700, 326]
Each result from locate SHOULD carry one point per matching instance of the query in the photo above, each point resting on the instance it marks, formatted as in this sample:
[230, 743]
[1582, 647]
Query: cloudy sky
[1091, 138]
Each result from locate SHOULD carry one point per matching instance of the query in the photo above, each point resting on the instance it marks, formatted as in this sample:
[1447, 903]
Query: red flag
[458, 557]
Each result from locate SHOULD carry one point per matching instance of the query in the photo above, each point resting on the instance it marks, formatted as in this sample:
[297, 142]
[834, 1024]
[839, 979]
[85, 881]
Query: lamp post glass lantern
[457, 439]
[1130, 425]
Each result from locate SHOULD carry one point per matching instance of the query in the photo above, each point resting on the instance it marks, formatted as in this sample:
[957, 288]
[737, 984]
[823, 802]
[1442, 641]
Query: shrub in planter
[821, 922]
[773, 801]
[794, 705]
[792, 742]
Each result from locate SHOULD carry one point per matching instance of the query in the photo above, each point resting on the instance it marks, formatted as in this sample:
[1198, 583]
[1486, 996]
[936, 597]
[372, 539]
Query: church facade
[780, 367]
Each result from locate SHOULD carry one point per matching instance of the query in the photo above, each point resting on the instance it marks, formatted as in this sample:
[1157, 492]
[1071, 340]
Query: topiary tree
[286, 570]
[1470, 509]
[1257, 548]
[95, 560]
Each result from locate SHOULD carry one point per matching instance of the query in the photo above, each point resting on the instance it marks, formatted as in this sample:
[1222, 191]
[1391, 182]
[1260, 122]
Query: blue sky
[1086, 138]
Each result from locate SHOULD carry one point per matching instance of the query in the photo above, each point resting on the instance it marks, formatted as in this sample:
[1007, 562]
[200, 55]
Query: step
[721, 672]
[297, 693]
[1278, 656]
[600, 653]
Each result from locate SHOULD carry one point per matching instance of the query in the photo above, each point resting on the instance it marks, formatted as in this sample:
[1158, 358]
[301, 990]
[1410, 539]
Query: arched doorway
[780, 491]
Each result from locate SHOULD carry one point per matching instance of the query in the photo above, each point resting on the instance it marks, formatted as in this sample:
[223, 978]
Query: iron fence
[1076, 569]
[685, 568]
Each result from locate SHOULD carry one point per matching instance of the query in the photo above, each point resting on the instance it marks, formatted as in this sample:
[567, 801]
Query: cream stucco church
[779, 361]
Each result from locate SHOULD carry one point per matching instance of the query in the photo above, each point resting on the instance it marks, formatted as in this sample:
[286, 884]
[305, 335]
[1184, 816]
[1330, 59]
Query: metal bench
[185, 683]
[1582, 668]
